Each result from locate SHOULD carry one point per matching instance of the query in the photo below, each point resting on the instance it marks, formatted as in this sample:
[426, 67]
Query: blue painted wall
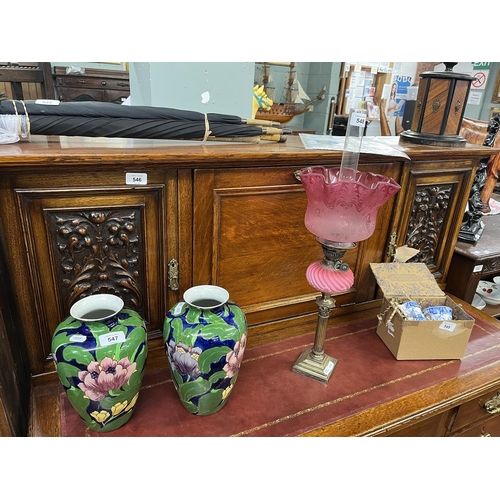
[208, 87]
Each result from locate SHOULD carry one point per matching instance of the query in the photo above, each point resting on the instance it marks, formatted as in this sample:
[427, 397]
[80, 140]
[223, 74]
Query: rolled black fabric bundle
[96, 109]
[136, 128]
[98, 119]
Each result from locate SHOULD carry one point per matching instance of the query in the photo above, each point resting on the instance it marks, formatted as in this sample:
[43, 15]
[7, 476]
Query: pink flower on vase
[235, 357]
[100, 378]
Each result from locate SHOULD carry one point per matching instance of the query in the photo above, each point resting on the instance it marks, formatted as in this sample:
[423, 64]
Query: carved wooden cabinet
[226, 214]
[89, 233]
[430, 209]
[94, 85]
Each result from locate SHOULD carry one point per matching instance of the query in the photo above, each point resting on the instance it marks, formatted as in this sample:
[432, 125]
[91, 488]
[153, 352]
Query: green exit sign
[481, 65]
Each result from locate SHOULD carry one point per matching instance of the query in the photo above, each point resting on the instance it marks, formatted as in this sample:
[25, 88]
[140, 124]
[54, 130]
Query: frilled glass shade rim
[331, 175]
[344, 210]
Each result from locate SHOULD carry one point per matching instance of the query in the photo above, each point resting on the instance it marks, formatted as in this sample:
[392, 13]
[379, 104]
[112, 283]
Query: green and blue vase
[205, 337]
[100, 352]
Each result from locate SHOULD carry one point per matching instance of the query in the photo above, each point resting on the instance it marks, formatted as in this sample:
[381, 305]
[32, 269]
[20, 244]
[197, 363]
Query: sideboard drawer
[116, 96]
[488, 428]
[475, 411]
[92, 82]
[434, 426]
[73, 94]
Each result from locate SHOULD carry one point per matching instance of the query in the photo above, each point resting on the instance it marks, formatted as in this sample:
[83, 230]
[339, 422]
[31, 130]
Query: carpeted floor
[271, 400]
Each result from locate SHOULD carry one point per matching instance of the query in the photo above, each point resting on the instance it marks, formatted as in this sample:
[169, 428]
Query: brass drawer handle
[485, 434]
[493, 405]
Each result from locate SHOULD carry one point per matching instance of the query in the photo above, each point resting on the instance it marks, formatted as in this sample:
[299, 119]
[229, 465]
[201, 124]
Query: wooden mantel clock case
[148, 219]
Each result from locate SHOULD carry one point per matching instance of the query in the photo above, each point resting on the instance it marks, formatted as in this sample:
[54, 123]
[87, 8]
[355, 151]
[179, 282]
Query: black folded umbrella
[98, 119]
[138, 128]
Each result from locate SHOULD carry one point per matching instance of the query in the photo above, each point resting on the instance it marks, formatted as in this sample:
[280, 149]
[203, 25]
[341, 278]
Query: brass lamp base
[317, 366]
[314, 363]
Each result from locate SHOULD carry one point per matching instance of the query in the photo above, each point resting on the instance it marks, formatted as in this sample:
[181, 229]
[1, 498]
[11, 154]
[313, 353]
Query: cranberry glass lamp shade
[344, 210]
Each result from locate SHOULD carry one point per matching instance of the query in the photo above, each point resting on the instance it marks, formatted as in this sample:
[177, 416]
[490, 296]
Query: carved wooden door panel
[81, 240]
[428, 215]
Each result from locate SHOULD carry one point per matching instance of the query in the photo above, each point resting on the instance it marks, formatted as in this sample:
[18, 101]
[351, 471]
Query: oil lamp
[342, 206]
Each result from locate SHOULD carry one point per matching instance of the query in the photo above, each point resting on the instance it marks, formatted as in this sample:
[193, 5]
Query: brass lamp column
[314, 363]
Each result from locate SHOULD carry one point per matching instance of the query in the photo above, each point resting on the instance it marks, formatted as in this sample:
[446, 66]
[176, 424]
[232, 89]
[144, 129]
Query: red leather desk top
[271, 400]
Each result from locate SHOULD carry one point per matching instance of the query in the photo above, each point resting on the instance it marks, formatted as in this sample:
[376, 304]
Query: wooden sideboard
[226, 214]
[94, 85]
[472, 262]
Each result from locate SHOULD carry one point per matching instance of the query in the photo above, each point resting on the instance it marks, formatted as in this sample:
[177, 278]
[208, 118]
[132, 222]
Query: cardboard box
[401, 282]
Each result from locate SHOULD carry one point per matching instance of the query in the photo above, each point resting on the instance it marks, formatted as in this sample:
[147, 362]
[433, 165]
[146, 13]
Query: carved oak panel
[99, 252]
[81, 242]
[430, 221]
[428, 213]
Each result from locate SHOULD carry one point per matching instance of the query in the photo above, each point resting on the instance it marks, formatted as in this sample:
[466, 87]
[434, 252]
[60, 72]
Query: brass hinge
[173, 275]
[391, 248]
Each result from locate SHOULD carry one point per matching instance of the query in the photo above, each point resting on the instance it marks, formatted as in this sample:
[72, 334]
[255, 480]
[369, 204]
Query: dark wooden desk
[471, 263]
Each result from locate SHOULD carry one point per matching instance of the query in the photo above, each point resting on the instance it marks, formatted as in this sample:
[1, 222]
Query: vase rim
[82, 309]
[214, 293]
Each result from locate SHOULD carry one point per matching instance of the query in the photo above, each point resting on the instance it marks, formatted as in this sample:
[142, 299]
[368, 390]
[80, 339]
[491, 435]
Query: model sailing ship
[295, 101]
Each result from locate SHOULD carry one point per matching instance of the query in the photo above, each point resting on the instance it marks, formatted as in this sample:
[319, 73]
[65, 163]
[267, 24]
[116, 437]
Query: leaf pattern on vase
[102, 380]
[205, 350]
